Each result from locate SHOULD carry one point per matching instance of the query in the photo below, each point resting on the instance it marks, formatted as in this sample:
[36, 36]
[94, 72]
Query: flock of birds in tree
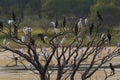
[28, 30]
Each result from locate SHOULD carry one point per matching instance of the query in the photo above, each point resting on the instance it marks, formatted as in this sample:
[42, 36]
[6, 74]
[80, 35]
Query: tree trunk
[43, 76]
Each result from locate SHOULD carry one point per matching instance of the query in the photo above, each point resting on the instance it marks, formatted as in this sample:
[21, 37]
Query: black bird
[76, 29]
[99, 16]
[41, 37]
[13, 16]
[109, 36]
[32, 41]
[112, 68]
[1, 25]
[64, 21]
[56, 23]
[16, 31]
[91, 28]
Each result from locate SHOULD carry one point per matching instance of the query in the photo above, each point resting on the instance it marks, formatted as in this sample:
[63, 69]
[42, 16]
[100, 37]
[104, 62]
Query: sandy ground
[28, 75]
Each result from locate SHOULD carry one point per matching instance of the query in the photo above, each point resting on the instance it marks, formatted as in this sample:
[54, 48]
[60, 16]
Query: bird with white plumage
[63, 40]
[8, 44]
[21, 50]
[11, 22]
[27, 30]
[4, 41]
[23, 38]
[54, 26]
[86, 20]
[80, 24]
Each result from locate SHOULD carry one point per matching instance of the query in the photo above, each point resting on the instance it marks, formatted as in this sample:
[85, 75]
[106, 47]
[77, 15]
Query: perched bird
[13, 16]
[4, 41]
[41, 36]
[27, 30]
[99, 16]
[109, 37]
[109, 50]
[63, 40]
[86, 20]
[1, 25]
[23, 38]
[54, 26]
[91, 28]
[112, 68]
[56, 23]
[21, 50]
[16, 31]
[32, 41]
[76, 30]
[102, 37]
[10, 22]
[64, 21]
[80, 24]
[8, 44]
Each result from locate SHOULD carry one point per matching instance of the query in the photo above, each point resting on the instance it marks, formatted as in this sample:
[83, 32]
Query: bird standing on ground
[99, 16]
[112, 68]
[91, 28]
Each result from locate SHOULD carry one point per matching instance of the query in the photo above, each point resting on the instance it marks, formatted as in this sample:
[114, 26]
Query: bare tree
[66, 52]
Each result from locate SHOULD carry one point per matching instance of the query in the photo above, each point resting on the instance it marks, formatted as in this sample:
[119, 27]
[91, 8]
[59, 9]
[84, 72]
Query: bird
[99, 16]
[64, 21]
[102, 37]
[56, 23]
[1, 25]
[80, 25]
[76, 30]
[109, 50]
[11, 22]
[8, 44]
[86, 20]
[4, 41]
[13, 16]
[27, 30]
[54, 26]
[63, 40]
[112, 68]
[109, 36]
[21, 50]
[23, 38]
[16, 31]
[32, 41]
[41, 36]
[15, 59]
[91, 28]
